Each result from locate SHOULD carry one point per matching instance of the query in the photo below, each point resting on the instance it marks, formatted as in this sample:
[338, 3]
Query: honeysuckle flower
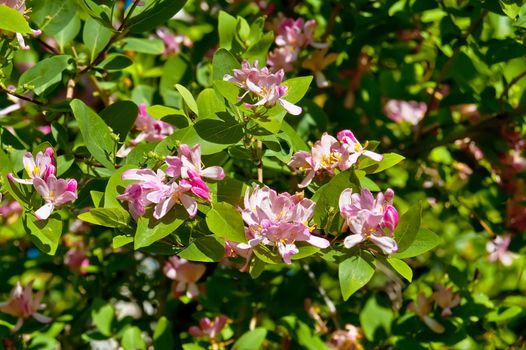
[296, 33]
[209, 328]
[446, 299]
[23, 304]
[318, 61]
[20, 6]
[346, 339]
[10, 210]
[186, 274]
[152, 130]
[327, 155]
[176, 193]
[55, 192]
[235, 249]
[367, 217]
[408, 111]
[278, 220]
[282, 58]
[262, 84]
[18, 103]
[189, 160]
[172, 42]
[498, 250]
[42, 166]
[355, 148]
[422, 306]
[77, 259]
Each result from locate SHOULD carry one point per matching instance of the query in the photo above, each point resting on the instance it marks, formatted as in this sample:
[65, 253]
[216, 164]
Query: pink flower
[422, 306]
[446, 299]
[208, 328]
[282, 57]
[42, 167]
[172, 42]
[354, 147]
[297, 33]
[10, 210]
[498, 250]
[186, 274]
[263, 85]
[348, 339]
[189, 160]
[77, 260]
[176, 193]
[152, 130]
[55, 192]
[278, 220]
[408, 111]
[20, 6]
[367, 218]
[23, 304]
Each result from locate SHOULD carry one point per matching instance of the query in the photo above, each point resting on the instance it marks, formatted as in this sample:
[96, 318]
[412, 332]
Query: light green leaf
[96, 134]
[371, 167]
[102, 314]
[45, 74]
[225, 221]
[355, 272]
[251, 340]
[44, 233]
[150, 230]
[209, 104]
[13, 21]
[132, 339]
[297, 88]
[107, 217]
[95, 36]
[408, 227]
[68, 32]
[188, 98]
[425, 240]
[53, 17]
[401, 267]
[223, 63]
[148, 46]
[227, 29]
[375, 316]
[205, 249]
[116, 186]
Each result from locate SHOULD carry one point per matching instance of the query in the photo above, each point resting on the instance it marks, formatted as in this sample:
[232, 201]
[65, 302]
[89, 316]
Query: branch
[445, 70]
[508, 87]
[22, 97]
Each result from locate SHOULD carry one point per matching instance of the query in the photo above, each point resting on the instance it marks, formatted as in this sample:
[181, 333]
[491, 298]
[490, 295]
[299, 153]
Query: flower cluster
[209, 328]
[152, 130]
[368, 218]
[346, 339]
[498, 250]
[329, 154]
[172, 42]
[23, 304]
[182, 179]
[20, 6]
[10, 210]
[278, 220]
[443, 297]
[264, 85]
[409, 111]
[41, 171]
[186, 274]
[291, 36]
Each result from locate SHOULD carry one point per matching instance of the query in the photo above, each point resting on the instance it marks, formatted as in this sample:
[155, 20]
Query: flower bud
[390, 217]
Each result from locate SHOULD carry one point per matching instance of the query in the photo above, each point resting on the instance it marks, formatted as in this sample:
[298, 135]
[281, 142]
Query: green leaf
[52, 16]
[150, 230]
[225, 221]
[189, 136]
[188, 98]
[95, 36]
[107, 217]
[366, 182]
[227, 29]
[225, 130]
[148, 46]
[209, 104]
[355, 272]
[121, 241]
[155, 13]
[170, 115]
[401, 267]
[228, 90]
[251, 340]
[68, 32]
[373, 316]
[45, 74]
[102, 314]
[223, 63]
[174, 70]
[120, 117]
[44, 233]
[116, 186]
[297, 88]
[101, 13]
[13, 21]
[425, 240]
[115, 62]
[257, 266]
[205, 249]
[504, 313]
[95, 132]
[132, 339]
[408, 227]
[162, 336]
[371, 167]
[327, 212]
[260, 49]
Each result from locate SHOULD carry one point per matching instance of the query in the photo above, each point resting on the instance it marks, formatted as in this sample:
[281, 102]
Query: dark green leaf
[408, 227]
[120, 117]
[425, 240]
[45, 74]
[205, 249]
[225, 221]
[155, 13]
[115, 62]
[44, 233]
[355, 272]
[150, 230]
[95, 36]
[51, 16]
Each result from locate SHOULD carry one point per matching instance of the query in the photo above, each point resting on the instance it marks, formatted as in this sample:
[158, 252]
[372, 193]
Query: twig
[330, 305]
[70, 88]
[115, 37]
[102, 93]
[22, 97]
[507, 89]
[259, 150]
[445, 70]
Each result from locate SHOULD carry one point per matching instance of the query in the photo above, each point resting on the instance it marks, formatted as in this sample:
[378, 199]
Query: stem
[22, 97]
[445, 70]
[48, 47]
[70, 89]
[330, 305]
[259, 150]
[507, 89]
[101, 92]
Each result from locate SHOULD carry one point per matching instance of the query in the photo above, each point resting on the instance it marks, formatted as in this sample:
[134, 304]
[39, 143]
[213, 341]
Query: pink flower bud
[390, 217]
[72, 185]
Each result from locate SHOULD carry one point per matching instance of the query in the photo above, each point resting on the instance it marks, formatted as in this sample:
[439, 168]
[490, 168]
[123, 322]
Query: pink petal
[289, 107]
